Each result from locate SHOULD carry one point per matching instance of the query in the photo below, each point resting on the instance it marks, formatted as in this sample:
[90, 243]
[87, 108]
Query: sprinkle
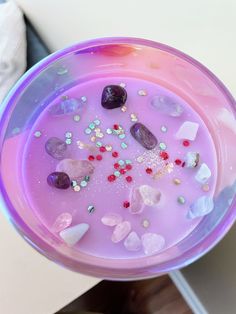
[100, 135]
[122, 85]
[123, 145]
[92, 126]
[76, 118]
[83, 184]
[68, 135]
[87, 178]
[74, 183]
[169, 167]
[181, 200]
[186, 143]
[145, 223]
[84, 98]
[91, 157]
[129, 179]
[128, 167]
[111, 178]
[176, 181]
[122, 171]
[133, 117]
[140, 159]
[162, 146]
[97, 130]
[126, 204]
[108, 148]
[99, 144]
[164, 155]
[97, 122]
[115, 154]
[128, 161]
[142, 92]
[93, 138]
[116, 127]
[76, 188]
[205, 187]
[122, 136]
[117, 173]
[37, 134]
[121, 162]
[123, 108]
[102, 149]
[178, 162]
[91, 209]
[109, 131]
[68, 141]
[148, 170]
[99, 157]
[163, 129]
[87, 131]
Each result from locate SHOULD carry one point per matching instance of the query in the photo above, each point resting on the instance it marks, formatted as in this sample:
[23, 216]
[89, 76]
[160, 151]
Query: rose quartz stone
[111, 219]
[121, 231]
[150, 195]
[136, 202]
[152, 243]
[132, 242]
[75, 168]
[62, 222]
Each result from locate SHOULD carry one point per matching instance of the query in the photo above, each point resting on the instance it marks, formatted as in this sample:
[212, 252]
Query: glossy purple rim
[91, 269]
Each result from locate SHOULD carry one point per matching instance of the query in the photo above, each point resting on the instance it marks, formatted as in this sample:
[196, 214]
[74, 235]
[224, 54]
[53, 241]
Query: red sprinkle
[122, 171]
[178, 162]
[102, 149]
[183, 164]
[129, 179]
[91, 157]
[186, 143]
[99, 157]
[111, 178]
[128, 167]
[114, 154]
[126, 204]
[116, 127]
[149, 170]
[116, 166]
[164, 155]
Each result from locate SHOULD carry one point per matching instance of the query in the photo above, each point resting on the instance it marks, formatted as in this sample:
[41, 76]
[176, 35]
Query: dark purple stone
[56, 148]
[59, 180]
[113, 96]
[142, 135]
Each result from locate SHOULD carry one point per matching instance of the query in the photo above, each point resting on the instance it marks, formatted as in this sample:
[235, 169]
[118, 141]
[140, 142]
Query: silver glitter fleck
[37, 134]
[163, 129]
[97, 122]
[83, 184]
[68, 135]
[142, 92]
[68, 141]
[76, 118]
[181, 200]
[87, 131]
[91, 209]
[109, 131]
[84, 98]
[162, 146]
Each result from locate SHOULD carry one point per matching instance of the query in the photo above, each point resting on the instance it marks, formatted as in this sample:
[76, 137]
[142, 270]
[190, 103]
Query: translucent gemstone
[111, 219]
[188, 131]
[133, 242]
[62, 222]
[113, 96]
[152, 243]
[143, 136]
[201, 207]
[136, 202]
[150, 195]
[66, 106]
[73, 234]
[59, 180]
[56, 148]
[167, 105]
[203, 174]
[192, 159]
[75, 169]
[121, 231]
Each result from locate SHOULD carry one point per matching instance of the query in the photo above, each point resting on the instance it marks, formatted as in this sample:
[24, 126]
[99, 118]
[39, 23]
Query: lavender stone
[142, 135]
[66, 107]
[56, 148]
[59, 180]
[167, 105]
[113, 96]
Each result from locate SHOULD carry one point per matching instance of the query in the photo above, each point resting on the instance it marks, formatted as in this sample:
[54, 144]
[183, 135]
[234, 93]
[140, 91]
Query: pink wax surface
[168, 218]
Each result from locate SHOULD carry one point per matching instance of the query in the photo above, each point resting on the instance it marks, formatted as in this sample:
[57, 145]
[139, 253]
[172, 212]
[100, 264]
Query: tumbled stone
[150, 195]
[192, 159]
[111, 219]
[152, 243]
[188, 131]
[74, 234]
[66, 107]
[113, 96]
[201, 207]
[59, 180]
[121, 231]
[56, 148]
[203, 174]
[143, 136]
[136, 202]
[167, 105]
[75, 169]
[63, 221]
[133, 242]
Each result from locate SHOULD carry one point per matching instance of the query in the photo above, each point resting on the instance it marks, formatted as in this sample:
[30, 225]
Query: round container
[128, 57]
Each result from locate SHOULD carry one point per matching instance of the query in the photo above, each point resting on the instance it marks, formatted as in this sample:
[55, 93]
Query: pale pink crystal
[136, 202]
[111, 219]
[152, 243]
[75, 168]
[121, 231]
[62, 222]
[132, 242]
[150, 195]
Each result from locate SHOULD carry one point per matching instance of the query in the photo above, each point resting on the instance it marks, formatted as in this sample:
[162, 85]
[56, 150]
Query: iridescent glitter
[76, 118]
[108, 148]
[163, 129]
[68, 141]
[83, 183]
[142, 92]
[68, 135]
[117, 173]
[145, 223]
[97, 122]
[162, 146]
[133, 117]
[123, 108]
[99, 144]
[37, 134]
[76, 188]
[87, 131]
[123, 145]
[109, 131]
[84, 98]
[92, 126]
[91, 209]
[181, 200]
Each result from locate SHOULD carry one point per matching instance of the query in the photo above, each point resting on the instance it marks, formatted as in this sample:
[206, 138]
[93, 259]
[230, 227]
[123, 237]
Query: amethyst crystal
[59, 180]
[142, 135]
[56, 148]
[113, 96]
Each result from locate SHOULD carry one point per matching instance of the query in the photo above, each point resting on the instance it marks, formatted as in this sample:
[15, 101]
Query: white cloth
[12, 46]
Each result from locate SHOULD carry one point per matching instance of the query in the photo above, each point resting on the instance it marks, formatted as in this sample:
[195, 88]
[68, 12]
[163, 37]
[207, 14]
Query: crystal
[201, 207]
[66, 106]
[167, 105]
[133, 242]
[59, 180]
[75, 169]
[188, 131]
[192, 159]
[121, 231]
[111, 219]
[56, 148]
[143, 136]
[136, 201]
[150, 195]
[113, 96]
[73, 234]
[181, 200]
[203, 174]
[63, 221]
[152, 243]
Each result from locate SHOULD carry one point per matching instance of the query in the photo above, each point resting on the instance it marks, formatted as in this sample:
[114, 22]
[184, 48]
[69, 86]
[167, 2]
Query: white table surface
[29, 283]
